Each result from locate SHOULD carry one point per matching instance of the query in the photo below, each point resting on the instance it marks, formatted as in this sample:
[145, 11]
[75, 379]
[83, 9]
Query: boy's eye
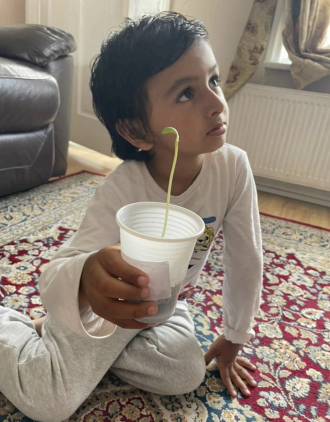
[215, 80]
[186, 95]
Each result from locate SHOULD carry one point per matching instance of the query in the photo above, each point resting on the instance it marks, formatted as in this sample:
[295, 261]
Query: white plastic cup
[141, 226]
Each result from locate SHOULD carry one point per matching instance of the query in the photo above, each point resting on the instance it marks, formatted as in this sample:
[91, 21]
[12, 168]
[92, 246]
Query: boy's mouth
[218, 130]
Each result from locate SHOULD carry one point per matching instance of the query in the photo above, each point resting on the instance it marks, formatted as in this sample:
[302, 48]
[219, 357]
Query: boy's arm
[59, 286]
[60, 281]
[87, 286]
[242, 258]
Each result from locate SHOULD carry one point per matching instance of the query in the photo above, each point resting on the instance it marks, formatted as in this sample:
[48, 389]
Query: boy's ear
[143, 145]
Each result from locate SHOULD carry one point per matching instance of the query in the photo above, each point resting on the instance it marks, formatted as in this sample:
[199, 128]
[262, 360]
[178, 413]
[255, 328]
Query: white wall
[12, 12]
[225, 21]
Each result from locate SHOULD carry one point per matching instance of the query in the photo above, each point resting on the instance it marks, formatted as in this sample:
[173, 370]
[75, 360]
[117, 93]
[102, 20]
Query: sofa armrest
[36, 44]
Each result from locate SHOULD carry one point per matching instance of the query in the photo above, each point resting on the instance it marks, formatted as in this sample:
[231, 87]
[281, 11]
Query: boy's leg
[48, 378]
[165, 359]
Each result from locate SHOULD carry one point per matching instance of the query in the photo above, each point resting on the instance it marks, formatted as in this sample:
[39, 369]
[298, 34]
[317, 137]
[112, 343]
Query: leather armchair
[36, 74]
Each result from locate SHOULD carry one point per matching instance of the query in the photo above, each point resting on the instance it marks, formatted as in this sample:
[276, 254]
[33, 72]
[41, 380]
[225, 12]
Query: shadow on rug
[292, 344]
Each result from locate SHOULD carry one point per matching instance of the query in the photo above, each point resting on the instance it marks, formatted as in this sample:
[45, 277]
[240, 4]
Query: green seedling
[164, 131]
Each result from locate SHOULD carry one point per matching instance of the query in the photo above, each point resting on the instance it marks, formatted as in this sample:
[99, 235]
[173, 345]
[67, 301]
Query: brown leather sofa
[36, 74]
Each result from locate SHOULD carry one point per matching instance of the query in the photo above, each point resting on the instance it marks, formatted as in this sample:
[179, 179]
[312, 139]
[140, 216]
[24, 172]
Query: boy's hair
[128, 58]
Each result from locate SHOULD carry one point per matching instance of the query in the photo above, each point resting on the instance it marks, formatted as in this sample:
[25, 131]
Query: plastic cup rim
[159, 239]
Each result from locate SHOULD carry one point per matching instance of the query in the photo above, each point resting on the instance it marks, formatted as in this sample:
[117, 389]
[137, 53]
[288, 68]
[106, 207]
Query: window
[140, 7]
[276, 56]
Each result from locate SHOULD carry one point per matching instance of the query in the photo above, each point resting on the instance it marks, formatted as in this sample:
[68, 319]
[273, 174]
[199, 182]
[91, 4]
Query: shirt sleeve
[59, 282]
[242, 258]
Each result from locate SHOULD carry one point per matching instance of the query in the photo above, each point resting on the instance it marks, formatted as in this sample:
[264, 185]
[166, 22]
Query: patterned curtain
[306, 28]
[252, 46]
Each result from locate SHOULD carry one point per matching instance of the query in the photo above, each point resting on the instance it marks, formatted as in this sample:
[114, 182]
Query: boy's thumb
[208, 357]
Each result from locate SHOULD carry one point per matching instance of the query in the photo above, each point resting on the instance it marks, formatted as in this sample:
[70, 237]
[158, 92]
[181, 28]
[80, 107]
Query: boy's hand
[231, 367]
[108, 283]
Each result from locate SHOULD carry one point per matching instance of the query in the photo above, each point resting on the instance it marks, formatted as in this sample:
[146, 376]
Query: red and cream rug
[292, 344]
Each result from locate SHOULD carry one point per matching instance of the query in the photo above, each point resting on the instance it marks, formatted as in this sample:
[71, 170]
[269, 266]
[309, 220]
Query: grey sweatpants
[48, 378]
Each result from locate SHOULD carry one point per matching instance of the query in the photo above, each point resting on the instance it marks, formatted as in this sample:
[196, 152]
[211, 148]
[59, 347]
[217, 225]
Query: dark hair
[128, 58]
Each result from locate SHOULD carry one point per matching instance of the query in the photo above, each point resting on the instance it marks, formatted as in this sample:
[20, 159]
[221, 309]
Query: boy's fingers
[125, 310]
[237, 380]
[114, 264]
[208, 357]
[232, 378]
[245, 363]
[225, 376]
[111, 287]
[114, 309]
[244, 374]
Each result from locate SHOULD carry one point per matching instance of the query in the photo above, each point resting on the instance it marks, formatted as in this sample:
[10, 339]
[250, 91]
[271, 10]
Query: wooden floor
[81, 158]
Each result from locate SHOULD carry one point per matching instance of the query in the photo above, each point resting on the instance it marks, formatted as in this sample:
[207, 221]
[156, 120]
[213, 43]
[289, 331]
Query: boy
[158, 71]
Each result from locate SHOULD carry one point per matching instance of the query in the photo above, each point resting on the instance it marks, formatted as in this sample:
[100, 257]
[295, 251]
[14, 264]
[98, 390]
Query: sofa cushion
[29, 97]
[37, 44]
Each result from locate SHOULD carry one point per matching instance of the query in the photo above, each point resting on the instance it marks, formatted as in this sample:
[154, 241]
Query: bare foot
[38, 324]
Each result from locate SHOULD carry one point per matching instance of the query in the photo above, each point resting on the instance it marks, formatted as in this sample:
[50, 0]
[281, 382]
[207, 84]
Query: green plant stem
[167, 130]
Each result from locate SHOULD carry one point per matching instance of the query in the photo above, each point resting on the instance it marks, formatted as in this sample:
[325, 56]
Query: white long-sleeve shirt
[223, 194]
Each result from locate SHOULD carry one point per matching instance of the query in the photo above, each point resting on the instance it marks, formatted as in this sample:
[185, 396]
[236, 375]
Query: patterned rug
[292, 344]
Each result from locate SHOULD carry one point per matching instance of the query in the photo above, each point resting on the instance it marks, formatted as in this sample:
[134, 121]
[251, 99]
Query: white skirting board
[289, 190]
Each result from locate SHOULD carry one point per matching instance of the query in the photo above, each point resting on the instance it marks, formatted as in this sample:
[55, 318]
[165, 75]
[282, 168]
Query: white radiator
[285, 132]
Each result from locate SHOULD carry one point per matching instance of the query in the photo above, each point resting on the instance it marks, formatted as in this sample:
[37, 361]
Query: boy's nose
[216, 103]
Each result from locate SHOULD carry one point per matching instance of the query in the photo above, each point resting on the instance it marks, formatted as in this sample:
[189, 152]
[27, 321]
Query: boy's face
[187, 97]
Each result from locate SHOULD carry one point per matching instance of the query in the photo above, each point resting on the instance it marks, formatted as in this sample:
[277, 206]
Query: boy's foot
[38, 324]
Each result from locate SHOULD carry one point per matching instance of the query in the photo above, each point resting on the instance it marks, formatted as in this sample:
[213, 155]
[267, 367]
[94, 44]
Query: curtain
[306, 28]
[252, 46]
